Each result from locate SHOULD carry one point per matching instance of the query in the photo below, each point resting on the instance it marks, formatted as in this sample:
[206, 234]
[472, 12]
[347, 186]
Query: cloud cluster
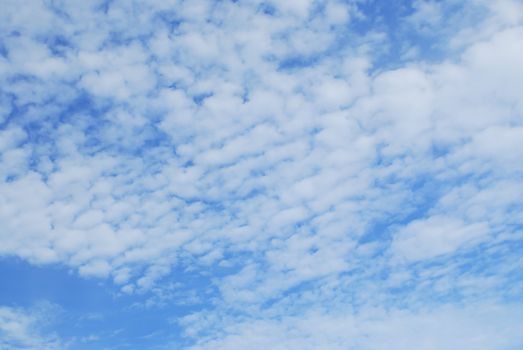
[268, 148]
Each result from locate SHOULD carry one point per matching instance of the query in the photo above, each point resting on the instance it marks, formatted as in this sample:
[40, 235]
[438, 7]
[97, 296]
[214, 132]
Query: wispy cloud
[24, 329]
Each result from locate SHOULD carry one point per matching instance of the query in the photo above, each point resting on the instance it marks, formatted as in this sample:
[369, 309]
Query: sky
[261, 174]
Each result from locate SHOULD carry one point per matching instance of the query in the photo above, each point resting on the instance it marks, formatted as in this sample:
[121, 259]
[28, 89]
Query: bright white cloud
[266, 142]
[425, 239]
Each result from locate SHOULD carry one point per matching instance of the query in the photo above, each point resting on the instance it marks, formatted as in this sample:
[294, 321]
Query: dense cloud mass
[332, 176]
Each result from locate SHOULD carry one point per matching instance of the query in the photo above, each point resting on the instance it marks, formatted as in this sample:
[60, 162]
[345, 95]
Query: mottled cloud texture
[304, 174]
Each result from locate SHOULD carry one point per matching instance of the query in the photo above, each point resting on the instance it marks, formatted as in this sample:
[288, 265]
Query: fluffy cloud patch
[270, 149]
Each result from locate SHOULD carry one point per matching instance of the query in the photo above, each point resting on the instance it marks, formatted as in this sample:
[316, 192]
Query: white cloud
[437, 235]
[305, 142]
[23, 329]
[161, 134]
[479, 327]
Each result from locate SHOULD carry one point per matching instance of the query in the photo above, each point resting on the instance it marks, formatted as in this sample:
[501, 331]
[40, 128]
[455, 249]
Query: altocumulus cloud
[303, 174]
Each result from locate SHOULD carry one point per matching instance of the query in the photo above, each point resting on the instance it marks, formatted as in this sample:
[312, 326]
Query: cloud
[424, 239]
[23, 329]
[271, 149]
[485, 327]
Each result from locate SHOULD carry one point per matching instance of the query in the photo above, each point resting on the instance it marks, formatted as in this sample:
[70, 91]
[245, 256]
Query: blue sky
[301, 174]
